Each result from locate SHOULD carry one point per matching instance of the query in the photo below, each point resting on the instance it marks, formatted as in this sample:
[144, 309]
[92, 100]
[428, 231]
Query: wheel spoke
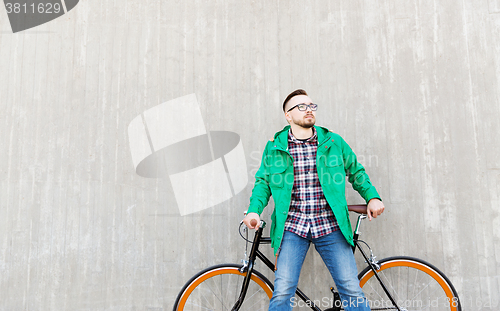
[202, 307]
[373, 289]
[414, 284]
[221, 285]
[256, 302]
[214, 294]
[392, 287]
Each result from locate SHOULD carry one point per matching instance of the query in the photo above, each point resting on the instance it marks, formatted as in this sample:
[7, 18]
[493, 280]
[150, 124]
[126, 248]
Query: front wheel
[218, 288]
[413, 283]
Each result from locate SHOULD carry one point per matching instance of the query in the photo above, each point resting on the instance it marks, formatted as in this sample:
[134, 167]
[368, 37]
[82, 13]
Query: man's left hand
[374, 208]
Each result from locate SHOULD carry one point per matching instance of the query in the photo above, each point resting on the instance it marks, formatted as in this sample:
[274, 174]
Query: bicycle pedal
[337, 301]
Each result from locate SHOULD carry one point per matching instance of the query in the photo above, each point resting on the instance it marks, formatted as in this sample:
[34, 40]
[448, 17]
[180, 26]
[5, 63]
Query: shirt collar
[293, 139]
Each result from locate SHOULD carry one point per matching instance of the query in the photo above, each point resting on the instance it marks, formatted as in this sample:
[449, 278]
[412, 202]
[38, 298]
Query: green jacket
[334, 160]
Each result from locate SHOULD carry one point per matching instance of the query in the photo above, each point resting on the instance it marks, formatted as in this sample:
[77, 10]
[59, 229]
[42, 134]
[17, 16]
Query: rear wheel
[218, 288]
[413, 283]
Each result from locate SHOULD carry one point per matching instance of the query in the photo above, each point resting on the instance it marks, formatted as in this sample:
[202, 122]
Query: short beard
[305, 124]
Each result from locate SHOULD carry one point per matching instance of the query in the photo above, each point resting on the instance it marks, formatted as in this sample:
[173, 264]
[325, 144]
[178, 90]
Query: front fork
[248, 267]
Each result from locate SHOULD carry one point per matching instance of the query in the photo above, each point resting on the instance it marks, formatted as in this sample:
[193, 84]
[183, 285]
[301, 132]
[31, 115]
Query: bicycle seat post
[358, 224]
[356, 231]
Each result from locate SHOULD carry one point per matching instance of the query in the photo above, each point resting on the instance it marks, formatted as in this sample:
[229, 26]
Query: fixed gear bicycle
[394, 283]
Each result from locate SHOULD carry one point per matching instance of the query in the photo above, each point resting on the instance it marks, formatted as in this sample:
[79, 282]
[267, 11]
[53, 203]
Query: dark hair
[294, 93]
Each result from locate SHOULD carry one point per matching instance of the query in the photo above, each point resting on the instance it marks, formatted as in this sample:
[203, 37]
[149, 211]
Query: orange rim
[215, 272]
[416, 265]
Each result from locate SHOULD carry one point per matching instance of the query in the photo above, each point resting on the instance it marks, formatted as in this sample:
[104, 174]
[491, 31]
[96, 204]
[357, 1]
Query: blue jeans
[339, 259]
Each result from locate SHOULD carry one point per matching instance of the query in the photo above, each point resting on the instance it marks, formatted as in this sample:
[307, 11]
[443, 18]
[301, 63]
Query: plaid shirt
[308, 207]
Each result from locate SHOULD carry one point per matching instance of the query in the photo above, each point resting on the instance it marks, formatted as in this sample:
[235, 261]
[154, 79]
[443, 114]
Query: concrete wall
[413, 86]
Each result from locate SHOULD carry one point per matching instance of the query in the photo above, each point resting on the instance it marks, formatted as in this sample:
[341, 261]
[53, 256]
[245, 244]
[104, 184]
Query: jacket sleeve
[357, 175]
[261, 191]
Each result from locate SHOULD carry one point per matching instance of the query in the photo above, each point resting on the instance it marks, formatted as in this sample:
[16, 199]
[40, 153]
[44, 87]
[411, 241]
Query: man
[304, 167]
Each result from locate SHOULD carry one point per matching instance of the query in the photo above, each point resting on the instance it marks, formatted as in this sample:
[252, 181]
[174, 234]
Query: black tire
[414, 283]
[218, 287]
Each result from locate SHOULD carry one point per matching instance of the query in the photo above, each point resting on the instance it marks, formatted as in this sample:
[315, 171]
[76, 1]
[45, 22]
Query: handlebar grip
[253, 223]
[358, 208]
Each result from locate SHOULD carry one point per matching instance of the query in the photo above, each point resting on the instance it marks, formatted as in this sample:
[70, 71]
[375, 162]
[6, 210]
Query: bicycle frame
[256, 253]
[373, 265]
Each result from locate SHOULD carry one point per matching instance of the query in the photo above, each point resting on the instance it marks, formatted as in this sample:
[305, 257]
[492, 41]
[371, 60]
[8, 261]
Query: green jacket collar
[281, 137]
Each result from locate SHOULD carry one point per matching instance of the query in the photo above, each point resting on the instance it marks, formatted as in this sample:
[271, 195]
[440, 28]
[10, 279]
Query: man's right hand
[252, 221]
